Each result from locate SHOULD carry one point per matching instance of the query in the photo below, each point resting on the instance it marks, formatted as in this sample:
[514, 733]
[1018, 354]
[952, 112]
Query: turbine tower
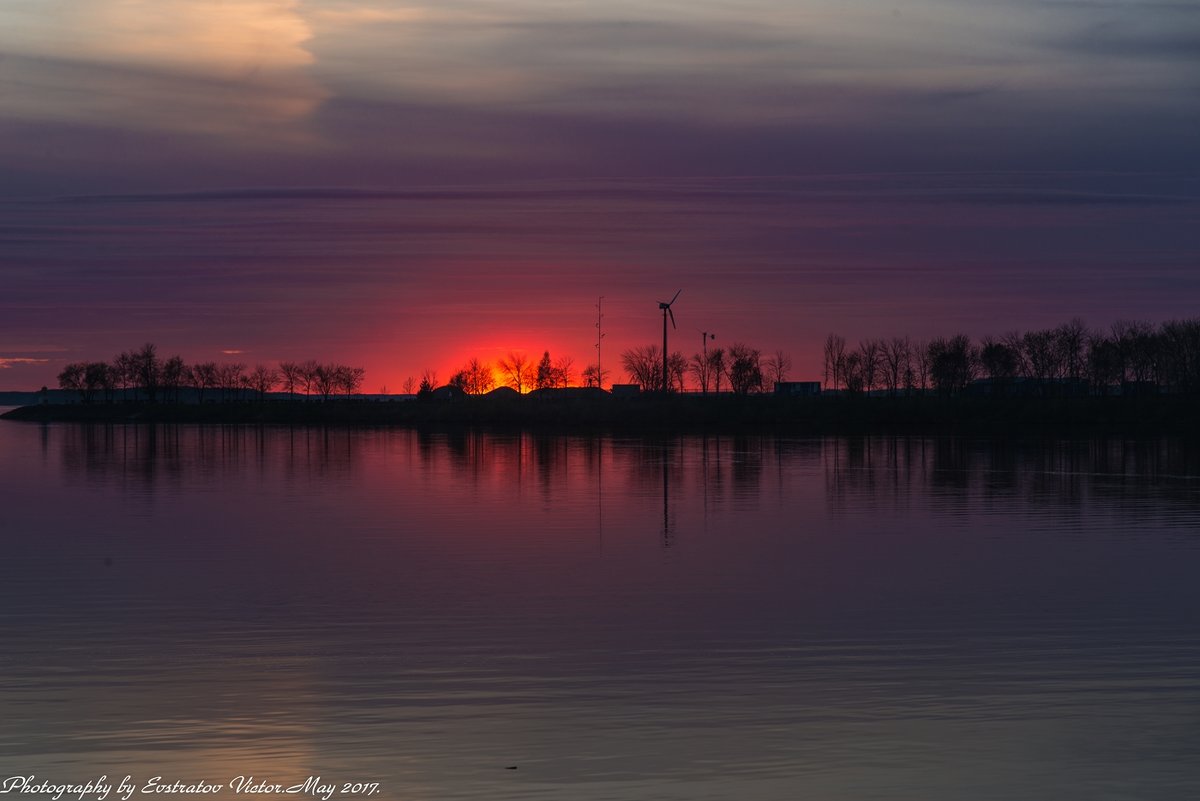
[665, 306]
[704, 337]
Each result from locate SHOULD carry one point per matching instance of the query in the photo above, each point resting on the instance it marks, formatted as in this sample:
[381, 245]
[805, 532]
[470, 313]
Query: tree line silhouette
[740, 368]
[142, 374]
[1130, 357]
[516, 370]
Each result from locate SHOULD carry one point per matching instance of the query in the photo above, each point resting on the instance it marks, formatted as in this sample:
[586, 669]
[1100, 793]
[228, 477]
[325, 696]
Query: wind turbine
[665, 306]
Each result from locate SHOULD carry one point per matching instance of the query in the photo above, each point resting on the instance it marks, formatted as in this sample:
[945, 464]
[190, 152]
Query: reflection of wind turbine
[666, 497]
[665, 306]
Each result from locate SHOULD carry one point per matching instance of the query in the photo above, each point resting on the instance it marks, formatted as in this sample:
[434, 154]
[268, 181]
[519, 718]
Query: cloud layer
[175, 94]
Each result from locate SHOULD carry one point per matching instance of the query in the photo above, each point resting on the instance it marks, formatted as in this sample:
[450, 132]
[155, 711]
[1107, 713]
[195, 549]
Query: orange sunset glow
[405, 188]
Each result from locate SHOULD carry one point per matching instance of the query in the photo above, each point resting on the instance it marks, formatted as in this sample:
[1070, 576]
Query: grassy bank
[683, 413]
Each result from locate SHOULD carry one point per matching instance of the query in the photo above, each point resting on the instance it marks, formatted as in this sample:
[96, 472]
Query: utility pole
[599, 336]
[704, 337]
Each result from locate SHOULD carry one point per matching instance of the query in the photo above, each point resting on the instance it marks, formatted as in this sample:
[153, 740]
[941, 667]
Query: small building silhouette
[448, 392]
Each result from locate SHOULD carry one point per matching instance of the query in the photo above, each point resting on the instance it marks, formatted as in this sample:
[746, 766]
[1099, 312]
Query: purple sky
[406, 187]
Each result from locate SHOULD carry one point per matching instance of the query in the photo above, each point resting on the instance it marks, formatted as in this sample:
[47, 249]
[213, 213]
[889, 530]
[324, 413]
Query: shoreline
[1144, 415]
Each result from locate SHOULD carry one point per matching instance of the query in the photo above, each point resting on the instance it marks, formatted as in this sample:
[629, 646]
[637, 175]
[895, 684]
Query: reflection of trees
[958, 476]
[683, 478]
[560, 469]
[142, 456]
[551, 456]
[719, 471]
[154, 457]
[746, 469]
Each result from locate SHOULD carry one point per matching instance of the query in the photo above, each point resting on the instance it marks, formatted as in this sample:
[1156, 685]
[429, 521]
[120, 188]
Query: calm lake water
[619, 618]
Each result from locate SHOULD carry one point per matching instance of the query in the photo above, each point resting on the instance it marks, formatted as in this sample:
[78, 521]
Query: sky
[404, 187]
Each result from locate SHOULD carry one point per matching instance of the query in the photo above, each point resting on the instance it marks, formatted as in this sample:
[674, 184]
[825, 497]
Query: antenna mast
[704, 337]
[599, 336]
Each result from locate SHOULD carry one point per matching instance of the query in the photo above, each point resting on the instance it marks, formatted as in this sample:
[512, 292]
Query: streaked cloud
[327, 92]
[197, 66]
[734, 64]
[8, 362]
[366, 15]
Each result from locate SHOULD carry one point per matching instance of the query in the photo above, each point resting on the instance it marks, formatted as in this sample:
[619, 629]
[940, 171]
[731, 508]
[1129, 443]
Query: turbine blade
[672, 316]
[676, 296]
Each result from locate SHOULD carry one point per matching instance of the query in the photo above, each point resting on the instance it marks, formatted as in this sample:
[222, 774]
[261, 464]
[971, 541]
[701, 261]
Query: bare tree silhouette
[262, 380]
[349, 379]
[564, 370]
[717, 365]
[123, 373]
[870, 354]
[777, 368]
[72, 379]
[231, 379]
[147, 370]
[896, 363]
[203, 377]
[676, 370]
[174, 375]
[745, 369]
[291, 375]
[643, 365]
[835, 361]
[517, 371]
[592, 376]
[700, 370]
[952, 363]
[1000, 363]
